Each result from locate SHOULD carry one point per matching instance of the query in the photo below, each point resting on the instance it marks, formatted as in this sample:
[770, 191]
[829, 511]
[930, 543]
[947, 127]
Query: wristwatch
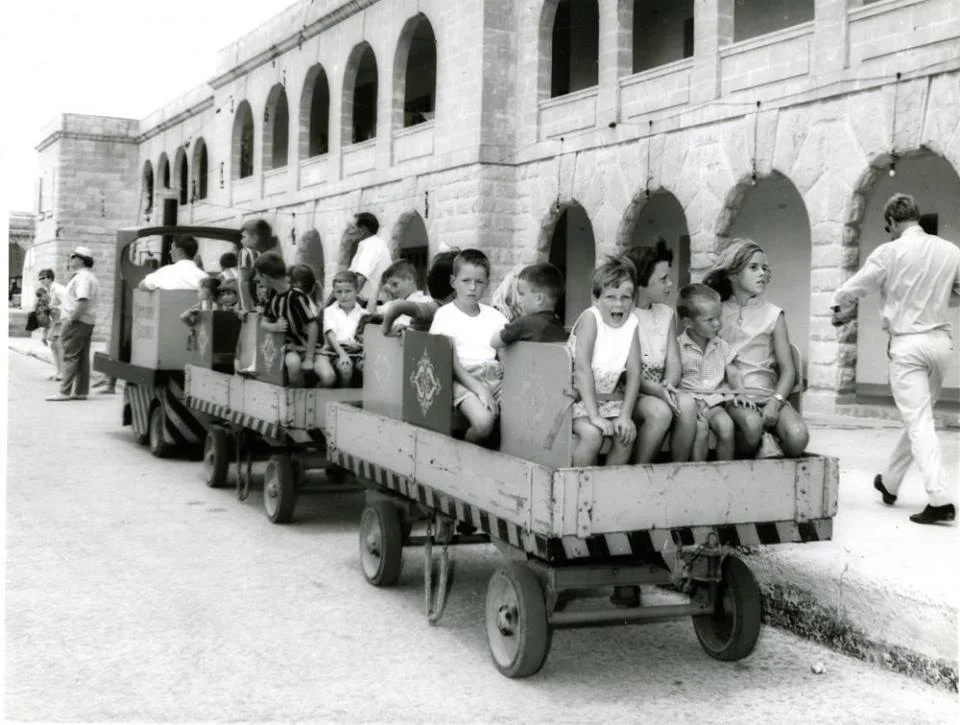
[779, 398]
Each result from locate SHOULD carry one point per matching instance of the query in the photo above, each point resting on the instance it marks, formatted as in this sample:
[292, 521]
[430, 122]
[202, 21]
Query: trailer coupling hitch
[701, 563]
[436, 599]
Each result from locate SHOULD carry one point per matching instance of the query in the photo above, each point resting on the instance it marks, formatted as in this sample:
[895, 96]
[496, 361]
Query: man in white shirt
[78, 315]
[371, 259]
[182, 274]
[918, 277]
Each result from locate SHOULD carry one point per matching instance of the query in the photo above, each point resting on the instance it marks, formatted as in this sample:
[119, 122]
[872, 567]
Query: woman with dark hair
[257, 238]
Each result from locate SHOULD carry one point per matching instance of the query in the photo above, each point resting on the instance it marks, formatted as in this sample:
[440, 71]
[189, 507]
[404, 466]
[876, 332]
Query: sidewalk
[884, 589]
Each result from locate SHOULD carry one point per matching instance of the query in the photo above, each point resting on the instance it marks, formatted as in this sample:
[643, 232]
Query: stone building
[559, 130]
[20, 239]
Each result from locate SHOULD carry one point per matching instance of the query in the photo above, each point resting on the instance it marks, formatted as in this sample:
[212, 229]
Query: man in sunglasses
[918, 277]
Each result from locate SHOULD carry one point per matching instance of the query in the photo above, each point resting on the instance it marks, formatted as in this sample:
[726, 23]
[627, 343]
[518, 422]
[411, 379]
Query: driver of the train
[182, 273]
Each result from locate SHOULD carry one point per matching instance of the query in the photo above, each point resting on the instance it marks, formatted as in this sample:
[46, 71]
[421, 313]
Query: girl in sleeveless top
[661, 407]
[757, 333]
[604, 347]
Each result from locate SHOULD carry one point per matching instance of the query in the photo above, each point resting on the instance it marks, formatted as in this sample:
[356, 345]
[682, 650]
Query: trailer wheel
[518, 632]
[158, 444]
[381, 543]
[731, 631]
[216, 456]
[280, 489]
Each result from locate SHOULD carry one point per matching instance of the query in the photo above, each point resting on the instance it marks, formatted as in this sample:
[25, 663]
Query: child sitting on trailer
[291, 312]
[539, 288]
[605, 347]
[303, 278]
[400, 283]
[228, 297]
[340, 321]
[207, 300]
[707, 363]
[470, 325]
[421, 313]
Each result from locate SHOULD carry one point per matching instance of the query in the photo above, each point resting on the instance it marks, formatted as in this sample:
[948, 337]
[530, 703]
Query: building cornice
[292, 41]
[197, 108]
[81, 136]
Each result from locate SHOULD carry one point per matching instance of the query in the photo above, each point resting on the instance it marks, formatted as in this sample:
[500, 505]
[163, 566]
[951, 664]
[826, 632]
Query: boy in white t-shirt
[470, 326]
[340, 321]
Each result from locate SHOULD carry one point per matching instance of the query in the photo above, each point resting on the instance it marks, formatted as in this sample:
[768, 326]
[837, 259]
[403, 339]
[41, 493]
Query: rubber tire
[720, 638]
[217, 446]
[383, 519]
[533, 631]
[158, 446]
[282, 468]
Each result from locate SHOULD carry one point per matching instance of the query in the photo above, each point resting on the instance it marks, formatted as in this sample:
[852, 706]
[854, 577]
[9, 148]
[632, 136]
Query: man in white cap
[78, 314]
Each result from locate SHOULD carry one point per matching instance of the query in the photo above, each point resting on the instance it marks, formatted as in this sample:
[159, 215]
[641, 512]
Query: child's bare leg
[722, 425]
[701, 444]
[479, 417]
[619, 454]
[792, 432]
[654, 418]
[589, 441]
[325, 372]
[294, 369]
[344, 372]
[684, 429]
[748, 430]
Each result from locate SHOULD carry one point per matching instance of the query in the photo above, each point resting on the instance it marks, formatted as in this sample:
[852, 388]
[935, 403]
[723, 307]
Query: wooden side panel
[314, 404]
[207, 385]
[542, 502]
[215, 336]
[812, 496]
[382, 373]
[259, 351]
[495, 482]
[535, 418]
[160, 339]
[629, 498]
[263, 401]
[428, 381]
[382, 441]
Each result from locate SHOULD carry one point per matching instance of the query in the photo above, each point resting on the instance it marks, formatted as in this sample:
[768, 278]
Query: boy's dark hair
[644, 259]
[346, 277]
[901, 208]
[544, 278]
[688, 297]
[472, 257]
[210, 283]
[302, 277]
[46, 274]
[368, 221]
[270, 264]
[613, 273]
[188, 245]
[228, 260]
[401, 268]
[260, 229]
[438, 276]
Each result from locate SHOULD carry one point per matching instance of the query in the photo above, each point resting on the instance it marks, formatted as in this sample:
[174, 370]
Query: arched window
[201, 170]
[182, 175]
[242, 152]
[662, 32]
[759, 17]
[315, 114]
[163, 171]
[276, 129]
[576, 47]
[416, 76]
[360, 88]
[147, 188]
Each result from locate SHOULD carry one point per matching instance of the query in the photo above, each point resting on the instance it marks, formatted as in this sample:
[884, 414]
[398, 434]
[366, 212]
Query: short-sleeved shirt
[418, 298]
[371, 260]
[184, 274]
[470, 334]
[342, 323]
[542, 326]
[83, 286]
[57, 295]
[297, 309]
[704, 369]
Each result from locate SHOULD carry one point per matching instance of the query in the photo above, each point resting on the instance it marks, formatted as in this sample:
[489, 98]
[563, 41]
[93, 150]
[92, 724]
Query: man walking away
[78, 313]
[918, 277]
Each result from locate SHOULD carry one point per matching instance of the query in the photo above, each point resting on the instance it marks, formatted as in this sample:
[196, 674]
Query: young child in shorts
[291, 312]
[470, 325]
[707, 366]
[341, 353]
[439, 292]
[399, 282]
[539, 288]
[605, 348]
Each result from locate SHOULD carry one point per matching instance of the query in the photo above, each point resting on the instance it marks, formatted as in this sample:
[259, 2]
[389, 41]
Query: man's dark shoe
[888, 498]
[935, 514]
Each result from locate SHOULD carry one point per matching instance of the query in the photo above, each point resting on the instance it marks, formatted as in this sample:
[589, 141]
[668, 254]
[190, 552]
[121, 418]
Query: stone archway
[567, 241]
[659, 215]
[409, 240]
[773, 214]
[935, 184]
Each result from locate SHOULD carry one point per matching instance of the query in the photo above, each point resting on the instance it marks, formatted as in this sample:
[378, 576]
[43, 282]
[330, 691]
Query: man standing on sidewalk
[78, 313]
[918, 277]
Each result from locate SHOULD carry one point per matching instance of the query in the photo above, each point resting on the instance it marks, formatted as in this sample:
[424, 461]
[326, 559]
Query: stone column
[829, 49]
[712, 29]
[615, 31]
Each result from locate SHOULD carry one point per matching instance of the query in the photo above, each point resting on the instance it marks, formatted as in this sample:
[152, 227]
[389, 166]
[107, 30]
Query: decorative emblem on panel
[202, 340]
[381, 370]
[424, 381]
[269, 350]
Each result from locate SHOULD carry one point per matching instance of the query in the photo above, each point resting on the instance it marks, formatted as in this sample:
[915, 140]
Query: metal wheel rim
[209, 456]
[156, 434]
[504, 628]
[371, 544]
[271, 488]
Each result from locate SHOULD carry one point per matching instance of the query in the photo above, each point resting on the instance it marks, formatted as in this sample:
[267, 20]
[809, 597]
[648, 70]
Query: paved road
[135, 593]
